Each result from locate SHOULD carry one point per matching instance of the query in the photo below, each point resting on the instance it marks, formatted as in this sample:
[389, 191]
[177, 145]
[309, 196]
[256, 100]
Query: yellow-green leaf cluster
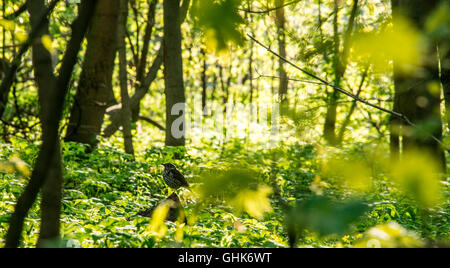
[390, 235]
[417, 175]
[399, 41]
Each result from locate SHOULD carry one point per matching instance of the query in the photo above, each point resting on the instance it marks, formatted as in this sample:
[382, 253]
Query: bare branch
[347, 93]
[270, 9]
[14, 66]
[324, 82]
[152, 122]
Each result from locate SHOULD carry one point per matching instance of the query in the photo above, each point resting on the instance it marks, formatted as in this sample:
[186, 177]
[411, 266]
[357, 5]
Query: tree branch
[18, 12]
[401, 116]
[152, 122]
[326, 83]
[53, 117]
[268, 10]
[8, 80]
[142, 89]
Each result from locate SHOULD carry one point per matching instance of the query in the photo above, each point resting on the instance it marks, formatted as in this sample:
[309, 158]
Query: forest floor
[103, 191]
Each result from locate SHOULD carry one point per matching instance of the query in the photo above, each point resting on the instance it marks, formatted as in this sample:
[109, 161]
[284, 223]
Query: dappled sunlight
[233, 124]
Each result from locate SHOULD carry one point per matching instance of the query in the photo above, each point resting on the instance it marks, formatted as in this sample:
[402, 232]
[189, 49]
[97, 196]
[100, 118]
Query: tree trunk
[126, 115]
[52, 193]
[173, 75]
[329, 130]
[444, 51]
[340, 63]
[143, 87]
[394, 122]
[283, 80]
[395, 127]
[142, 62]
[250, 56]
[52, 188]
[95, 82]
[415, 99]
[347, 120]
[204, 78]
[51, 115]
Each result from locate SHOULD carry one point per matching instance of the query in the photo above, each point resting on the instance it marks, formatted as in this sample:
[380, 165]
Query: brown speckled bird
[173, 177]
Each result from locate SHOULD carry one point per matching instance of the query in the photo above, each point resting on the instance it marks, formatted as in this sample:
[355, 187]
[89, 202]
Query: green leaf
[220, 22]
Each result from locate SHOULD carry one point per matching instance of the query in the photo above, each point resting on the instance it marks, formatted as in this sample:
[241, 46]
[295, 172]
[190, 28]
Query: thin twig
[290, 79]
[343, 91]
[8, 80]
[17, 13]
[270, 9]
[152, 122]
[347, 93]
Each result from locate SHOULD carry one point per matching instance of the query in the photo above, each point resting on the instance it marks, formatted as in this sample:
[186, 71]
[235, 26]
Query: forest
[224, 123]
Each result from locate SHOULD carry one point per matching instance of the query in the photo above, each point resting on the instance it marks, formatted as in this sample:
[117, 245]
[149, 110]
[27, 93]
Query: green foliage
[381, 45]
[239, 188]
[103, 191]
[245, 195]
[220, 22]
[391, 235]
[438, 23]
[417, 174]
[324, 216]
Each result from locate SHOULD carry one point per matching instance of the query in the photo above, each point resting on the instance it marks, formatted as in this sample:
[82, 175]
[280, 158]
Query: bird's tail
[188, 187]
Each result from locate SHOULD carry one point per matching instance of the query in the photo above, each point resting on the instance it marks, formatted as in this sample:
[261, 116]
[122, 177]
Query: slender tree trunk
[123, 77]
[347, 119]
[224, 85]
[142, 63]
[250, 57]
[204, 82]
[394, 122]
[3, 33]
[51, 203]
[3, 62]
[95, 83]
[140, 92]
[320, 26]
[51, 116]
[52, 189]
[283, 80]
[329, 130]
[444, 51]
[395, 127]
[173, 75]
[142, 88]
[340, 63]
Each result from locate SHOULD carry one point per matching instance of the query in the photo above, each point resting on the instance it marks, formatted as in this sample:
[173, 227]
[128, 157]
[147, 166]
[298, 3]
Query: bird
[176, 211]
[173, 177]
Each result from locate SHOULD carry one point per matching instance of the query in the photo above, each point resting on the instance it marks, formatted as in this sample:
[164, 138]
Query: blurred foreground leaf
[390, 235]
[220, 21]
[417, 175]
[399, 41]
[326, 216]
[239, 188]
